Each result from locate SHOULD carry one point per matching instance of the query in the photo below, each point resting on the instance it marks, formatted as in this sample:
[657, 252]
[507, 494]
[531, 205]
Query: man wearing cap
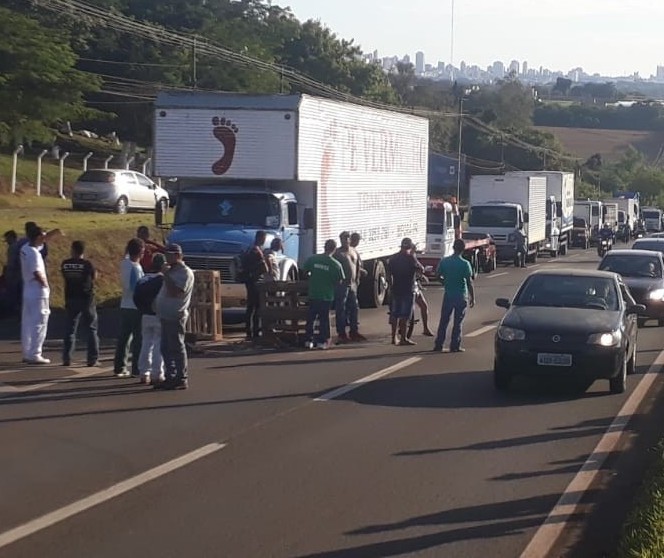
[172, 308]
[457, 276]
[36, 292]
[346, 305]
[151, 248]
[402, 269]
[79, 275]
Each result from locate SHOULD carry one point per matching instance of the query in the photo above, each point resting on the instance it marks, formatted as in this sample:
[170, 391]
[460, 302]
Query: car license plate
[552, 359]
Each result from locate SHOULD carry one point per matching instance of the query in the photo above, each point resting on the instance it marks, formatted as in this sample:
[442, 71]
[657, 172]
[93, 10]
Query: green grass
[643, 533]
[105, 235]
[26, 175]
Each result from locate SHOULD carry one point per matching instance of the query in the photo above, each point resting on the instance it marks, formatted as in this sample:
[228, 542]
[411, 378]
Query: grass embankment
[643, 533]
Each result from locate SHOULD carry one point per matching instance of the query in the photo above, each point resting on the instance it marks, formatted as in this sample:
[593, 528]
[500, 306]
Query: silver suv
[118, 190]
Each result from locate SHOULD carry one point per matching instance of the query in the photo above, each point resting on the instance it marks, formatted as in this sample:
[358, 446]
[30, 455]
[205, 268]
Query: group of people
[156, 293]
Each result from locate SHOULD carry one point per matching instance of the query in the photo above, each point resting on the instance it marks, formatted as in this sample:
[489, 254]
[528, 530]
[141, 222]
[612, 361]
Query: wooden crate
[205, 311]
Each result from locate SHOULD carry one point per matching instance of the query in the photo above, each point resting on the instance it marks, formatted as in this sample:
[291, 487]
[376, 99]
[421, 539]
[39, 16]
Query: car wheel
[121, 206]
[631, 365]
[502, 379]
[619, 383]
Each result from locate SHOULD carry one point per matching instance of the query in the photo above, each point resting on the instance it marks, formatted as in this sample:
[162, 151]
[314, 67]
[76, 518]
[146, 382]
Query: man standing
[457, 277]
[254, 267]
[130, 318]
[79, 276]
[402, 269]
[151, 248]
[521, 242]
[355, 242]
[35, 313]
[346, 305]
[325, 274]
[172, 306]
[272, 259]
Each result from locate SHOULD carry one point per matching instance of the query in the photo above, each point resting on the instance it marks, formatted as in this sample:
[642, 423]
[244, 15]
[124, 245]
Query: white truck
[299, 167]
[610, 214]
[559, 209]
[500, 205]
[629, 203]
[652, 217]
[591, 212]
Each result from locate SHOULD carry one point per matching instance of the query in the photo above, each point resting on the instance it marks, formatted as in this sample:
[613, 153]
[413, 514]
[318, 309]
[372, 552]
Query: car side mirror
[308, 218]
[503, 303]
[636, 309]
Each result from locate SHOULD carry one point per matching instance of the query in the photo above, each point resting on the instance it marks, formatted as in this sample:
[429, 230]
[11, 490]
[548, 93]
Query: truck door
[291, 231]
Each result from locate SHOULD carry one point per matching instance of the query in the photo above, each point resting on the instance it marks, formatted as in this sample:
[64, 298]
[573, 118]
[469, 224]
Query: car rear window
[632, 265]
[653, 246]
[97, 176]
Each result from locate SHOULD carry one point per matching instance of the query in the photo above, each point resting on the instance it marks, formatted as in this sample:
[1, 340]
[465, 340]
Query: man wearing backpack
[254, 266]
[150, 363]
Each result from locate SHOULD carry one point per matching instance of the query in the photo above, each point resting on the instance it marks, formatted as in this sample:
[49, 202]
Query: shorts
[402, 306]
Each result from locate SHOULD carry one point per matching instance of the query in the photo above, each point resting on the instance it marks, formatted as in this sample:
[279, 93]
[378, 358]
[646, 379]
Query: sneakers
[458, 350]
[310, 345]
[357, 337]
[38, 360]
[66, 363]
[407, 343]
[342, 339]
[322, 346]
[123, 374]
[437, 349]
[172, 384]
[95, 363]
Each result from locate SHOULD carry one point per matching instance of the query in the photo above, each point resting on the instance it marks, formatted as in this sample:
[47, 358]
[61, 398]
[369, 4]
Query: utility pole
[194, 77]
[459, 152]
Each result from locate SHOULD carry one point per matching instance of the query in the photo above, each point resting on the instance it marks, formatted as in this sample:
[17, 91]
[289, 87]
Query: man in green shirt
[325, 273]
[457, 277]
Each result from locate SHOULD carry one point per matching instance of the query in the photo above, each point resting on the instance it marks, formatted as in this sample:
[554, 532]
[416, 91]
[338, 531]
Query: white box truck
[591, 212]
[652, 216]
[301, 168]
[499, 205]
[559, 209]
[630, 208]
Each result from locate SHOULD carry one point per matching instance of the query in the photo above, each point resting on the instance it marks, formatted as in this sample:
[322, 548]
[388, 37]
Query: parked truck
[500, 205]
[610, 214]
[591, 212]
[299, 167]
[652, 217]
[559, 209]
[628, 203]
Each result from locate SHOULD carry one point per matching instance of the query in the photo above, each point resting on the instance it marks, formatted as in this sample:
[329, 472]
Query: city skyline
[617, 38]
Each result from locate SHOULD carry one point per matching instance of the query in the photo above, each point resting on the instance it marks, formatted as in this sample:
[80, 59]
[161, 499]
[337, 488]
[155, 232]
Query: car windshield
[569, 291]
[581, 223]
[653, 246]
[629, 265]
[97, 176]
[492, 216]
[251, 210]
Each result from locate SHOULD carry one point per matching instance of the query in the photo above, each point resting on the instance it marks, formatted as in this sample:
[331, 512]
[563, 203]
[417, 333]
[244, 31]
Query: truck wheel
[563, 250]
[489, 265]
[373, 288]
[553, 254]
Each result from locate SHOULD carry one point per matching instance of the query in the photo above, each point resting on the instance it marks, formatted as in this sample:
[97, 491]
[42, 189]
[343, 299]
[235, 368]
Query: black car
[649, 243]
[571, 324]
[643, 273]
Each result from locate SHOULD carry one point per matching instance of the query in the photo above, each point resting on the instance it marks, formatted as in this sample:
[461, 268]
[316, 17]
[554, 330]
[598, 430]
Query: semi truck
[500, 205]
[591, 212]
[301, 168]
[559, 209]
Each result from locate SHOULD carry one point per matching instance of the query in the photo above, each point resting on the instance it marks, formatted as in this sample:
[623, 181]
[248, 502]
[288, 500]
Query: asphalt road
[265, 455]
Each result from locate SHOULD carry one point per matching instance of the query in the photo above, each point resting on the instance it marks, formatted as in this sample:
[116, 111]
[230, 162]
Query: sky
[608, 37]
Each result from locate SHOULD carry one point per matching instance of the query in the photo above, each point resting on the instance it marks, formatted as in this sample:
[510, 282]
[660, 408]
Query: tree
[562, 86]
[39, 85]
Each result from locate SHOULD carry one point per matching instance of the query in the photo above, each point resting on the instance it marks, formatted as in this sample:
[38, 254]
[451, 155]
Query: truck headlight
[610, 339]
[657, 294]
[511, 334]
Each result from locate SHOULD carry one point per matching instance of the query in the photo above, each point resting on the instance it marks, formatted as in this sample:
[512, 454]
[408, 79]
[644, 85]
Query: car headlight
[610, 339]
[657, 294]
[547, 245]
[511, 334]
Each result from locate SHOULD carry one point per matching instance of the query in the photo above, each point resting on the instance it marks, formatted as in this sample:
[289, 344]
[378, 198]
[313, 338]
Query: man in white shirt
[36, 292]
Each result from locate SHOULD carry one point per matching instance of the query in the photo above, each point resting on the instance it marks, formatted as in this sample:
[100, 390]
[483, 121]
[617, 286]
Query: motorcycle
[603, 247]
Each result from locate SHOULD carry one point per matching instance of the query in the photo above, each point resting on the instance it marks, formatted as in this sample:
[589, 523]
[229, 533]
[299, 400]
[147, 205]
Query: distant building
[514, 67]
[524, 68]
[660, 72]
[498, 70]
[419, 62]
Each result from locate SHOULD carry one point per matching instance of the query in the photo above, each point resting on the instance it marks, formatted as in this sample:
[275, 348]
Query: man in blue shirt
[457, 277]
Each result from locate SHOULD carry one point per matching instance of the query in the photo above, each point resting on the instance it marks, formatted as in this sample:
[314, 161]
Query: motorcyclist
[606, 233]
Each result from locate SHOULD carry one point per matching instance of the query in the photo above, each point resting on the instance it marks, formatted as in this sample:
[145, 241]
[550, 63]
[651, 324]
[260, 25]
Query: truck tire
[563, 249]
[532, 258]
[373, 288]
[490, 264]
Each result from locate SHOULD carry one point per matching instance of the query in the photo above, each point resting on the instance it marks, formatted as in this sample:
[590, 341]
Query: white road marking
[497, 275]
[481, 331]
[363, 381]
[549, 532]
[45, 521]
[8, 390]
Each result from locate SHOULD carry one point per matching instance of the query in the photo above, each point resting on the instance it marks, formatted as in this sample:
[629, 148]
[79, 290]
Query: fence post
[107, 161]
[145, 165]
[15, 155]
[130, 161]
[39, 170]
[85, 160]
[61, 190]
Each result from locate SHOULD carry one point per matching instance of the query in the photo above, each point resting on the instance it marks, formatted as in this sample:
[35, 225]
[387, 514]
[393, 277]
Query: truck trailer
[299, 167]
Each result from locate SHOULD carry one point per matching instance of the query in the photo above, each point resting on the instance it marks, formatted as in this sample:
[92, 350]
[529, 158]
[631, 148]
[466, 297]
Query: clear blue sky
[604, 36]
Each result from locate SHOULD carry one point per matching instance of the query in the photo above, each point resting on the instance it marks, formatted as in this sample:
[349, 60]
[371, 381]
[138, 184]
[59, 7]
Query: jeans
[252, 314]
[457, 304]
[521, 253]
[319, 309]
[34, 324]
[130, 333]
[340, 299]
[352, 311]
[87, 309]
[151, 363]
[173, 349]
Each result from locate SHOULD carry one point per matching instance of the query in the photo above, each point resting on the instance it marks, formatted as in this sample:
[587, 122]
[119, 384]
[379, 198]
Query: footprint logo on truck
[225, 131]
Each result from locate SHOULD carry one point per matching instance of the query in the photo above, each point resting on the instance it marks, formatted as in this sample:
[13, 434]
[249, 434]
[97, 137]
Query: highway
[366, 450]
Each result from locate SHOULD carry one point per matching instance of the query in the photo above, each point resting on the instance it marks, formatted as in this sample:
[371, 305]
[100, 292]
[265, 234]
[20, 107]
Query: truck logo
[225, 131]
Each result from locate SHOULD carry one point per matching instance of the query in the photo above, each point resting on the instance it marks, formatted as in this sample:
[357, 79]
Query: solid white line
[496, 275]
[481, 331]
[362, 381]
[45, 521]
[547, 535]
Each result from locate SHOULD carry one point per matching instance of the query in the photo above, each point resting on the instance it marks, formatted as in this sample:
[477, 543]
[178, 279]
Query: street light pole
[459, 152]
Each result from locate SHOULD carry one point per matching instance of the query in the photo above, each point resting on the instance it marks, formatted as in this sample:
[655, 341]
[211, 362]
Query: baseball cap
[173, 249]
[407, 243]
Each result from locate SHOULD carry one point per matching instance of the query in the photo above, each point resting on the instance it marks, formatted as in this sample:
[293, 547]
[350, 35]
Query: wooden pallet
[205, 310]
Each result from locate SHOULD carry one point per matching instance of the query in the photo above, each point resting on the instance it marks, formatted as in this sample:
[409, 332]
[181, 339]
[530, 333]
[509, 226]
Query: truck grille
[222, 265]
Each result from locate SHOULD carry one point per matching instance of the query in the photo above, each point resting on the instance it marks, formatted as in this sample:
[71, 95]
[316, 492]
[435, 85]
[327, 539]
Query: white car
[117, 190]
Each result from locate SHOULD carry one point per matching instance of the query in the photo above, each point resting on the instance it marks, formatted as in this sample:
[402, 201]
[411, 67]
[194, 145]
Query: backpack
[146, 292]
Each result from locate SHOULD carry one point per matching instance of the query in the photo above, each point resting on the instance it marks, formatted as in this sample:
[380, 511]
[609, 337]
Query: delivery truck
[591, 212]
[299, 167]
[628, 203]
[502, 204]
